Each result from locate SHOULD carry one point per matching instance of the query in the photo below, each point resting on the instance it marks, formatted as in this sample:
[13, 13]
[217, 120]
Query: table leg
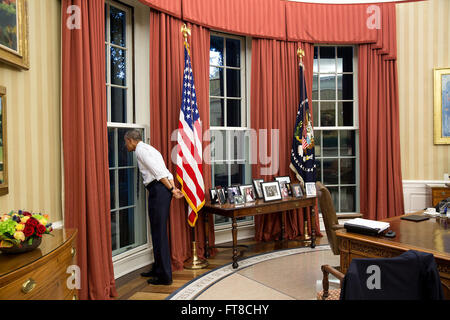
[234, 231]
[283, 224]
[206, 235]
[313, 228]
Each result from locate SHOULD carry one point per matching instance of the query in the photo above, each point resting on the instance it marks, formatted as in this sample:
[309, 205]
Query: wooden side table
[40, 274]
[439, 192]
[256, 208]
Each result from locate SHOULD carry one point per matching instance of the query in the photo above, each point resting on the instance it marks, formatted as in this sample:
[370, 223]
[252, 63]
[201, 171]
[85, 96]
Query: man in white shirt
[161, 187]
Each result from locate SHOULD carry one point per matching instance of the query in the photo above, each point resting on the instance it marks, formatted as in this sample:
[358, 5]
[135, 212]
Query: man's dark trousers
[159, 198]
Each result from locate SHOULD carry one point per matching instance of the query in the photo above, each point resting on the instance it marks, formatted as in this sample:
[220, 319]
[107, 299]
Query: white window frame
[354, 128]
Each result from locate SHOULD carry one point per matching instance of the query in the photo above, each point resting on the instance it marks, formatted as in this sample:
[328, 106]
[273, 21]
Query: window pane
[216, 51]
[218, 145]
[347, 143]
[345, 59]
[237, 173]
[327, 87]
[126, 187]
[345, 87]
[348, 199]
[345, 114]
[233, 53]
[237, 145]
[315, 105]
[106, 64]
[220, 172]
[118, 105]
[234, 113]
[327, 60]
[316, 62]
[221, 220]
[126, 159]
[216, 112]
[111, 155]
[317, 143]
[118, 66]
[118, 26]
[127, 232]
[330, 144]
[113, 230]
[330, 171]
[216, 82]
[233, 83]
[112, 189]
[348, 171]
[315, 90]
[327, 114]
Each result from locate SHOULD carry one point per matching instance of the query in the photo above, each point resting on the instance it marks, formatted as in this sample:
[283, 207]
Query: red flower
[26, 214]
[32, 222]
[40, 229]
[28, 231]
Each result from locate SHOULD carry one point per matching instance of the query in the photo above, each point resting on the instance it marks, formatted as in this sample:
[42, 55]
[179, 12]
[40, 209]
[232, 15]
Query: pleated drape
[274, 105]
[166, 75]
[85, 147]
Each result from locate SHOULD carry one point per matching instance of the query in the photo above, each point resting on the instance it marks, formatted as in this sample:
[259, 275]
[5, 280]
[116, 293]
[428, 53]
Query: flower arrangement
[21, 228]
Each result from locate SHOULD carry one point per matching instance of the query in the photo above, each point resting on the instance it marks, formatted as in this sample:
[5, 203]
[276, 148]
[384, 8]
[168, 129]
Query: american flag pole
[190, 174]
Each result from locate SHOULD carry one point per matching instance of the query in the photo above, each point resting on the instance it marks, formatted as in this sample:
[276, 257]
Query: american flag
[189, 157]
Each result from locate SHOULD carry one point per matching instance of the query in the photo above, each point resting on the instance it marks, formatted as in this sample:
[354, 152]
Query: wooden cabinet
[439, 192]
[42, 273]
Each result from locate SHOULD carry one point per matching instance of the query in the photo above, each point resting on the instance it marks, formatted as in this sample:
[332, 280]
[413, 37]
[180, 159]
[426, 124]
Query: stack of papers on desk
[365, 226]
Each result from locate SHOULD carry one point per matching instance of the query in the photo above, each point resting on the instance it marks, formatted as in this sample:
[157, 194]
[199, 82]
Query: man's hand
[177, 193]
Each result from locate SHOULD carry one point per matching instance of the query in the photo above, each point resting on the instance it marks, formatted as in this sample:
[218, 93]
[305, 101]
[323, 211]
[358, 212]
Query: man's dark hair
[134, 134]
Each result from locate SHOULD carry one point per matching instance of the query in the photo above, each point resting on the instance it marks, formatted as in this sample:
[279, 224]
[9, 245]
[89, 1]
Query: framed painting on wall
[442, 106]
[14, 33]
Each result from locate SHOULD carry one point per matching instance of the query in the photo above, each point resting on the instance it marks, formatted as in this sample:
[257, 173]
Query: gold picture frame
[14, 35]
[441, 105]
[3, 144]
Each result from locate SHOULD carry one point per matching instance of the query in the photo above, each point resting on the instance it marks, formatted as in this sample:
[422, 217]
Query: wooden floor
[135, 287]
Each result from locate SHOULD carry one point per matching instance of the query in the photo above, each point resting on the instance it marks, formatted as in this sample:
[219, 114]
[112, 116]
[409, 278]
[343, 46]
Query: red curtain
[274, 106]
[257, 18]
[172, 7]
[166, 73]
[381, 193]
[329, 23]
[85, 147]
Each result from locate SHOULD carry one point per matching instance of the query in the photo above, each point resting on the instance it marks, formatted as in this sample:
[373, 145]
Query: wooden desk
[40, 274]
[439, 192]
[256, 208]
[432, 236]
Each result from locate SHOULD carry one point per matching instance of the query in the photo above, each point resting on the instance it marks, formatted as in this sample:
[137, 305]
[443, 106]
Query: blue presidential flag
[302, 152]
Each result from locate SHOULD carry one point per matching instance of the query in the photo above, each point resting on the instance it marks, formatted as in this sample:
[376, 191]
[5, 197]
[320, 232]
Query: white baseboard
[244, 232]
[416, 195]
[133, 262]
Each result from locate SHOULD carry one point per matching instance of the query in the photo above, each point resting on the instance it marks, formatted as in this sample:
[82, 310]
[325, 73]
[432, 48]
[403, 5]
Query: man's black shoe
[150, 273]
[159, 281]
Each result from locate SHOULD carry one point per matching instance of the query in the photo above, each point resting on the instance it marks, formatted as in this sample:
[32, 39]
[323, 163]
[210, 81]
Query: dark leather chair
[330, 220]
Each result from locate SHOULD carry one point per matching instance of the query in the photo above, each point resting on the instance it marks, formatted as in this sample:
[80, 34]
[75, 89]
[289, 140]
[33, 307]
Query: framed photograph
[284, 190]
[221, 195]
[239, 200]
[310, 189]
[258, 189]
[14, 33]
[271, 190]
[232, 192]
[283, 179]
[297, 190]
[213, 196]
[247, 192]
[442, 106]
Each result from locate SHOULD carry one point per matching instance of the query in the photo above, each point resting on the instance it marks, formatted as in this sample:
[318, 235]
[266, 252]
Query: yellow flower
[19, 235]
[43, 222]
[24, 219]
[20, 226]
[6, 217]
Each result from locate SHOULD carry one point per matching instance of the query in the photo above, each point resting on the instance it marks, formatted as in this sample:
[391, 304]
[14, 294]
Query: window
[229, 113]
[335, 123]
[128, 213]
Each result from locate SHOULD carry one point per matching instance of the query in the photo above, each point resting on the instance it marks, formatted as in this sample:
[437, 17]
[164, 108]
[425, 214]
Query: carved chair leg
[325, 284]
